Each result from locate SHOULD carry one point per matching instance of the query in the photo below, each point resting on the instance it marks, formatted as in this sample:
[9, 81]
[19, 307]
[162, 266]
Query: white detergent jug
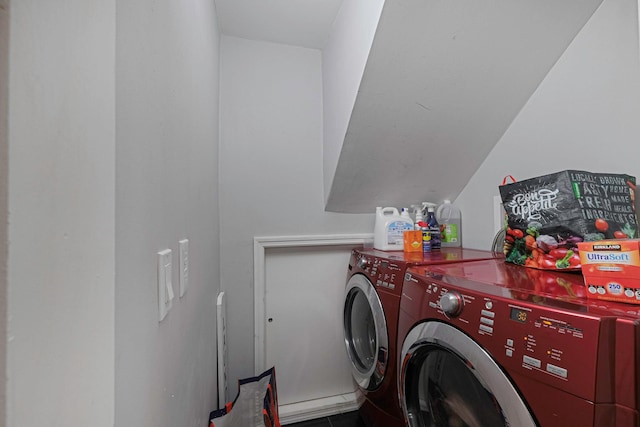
[449, 218]
[389, 229]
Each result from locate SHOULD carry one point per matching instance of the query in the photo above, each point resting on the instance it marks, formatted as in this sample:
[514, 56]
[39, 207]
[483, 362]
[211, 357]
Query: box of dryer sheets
[611, 269]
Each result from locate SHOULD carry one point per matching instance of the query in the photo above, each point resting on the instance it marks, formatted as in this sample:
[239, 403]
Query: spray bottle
[434, 229]
[418, 216]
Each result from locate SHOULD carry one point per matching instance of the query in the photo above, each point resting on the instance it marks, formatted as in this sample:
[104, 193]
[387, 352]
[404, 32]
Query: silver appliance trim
[370, 373]
[481, 364]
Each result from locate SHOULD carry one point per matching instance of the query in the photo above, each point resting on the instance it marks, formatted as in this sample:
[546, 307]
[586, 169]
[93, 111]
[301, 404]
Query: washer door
[447, 379]
[365, 333]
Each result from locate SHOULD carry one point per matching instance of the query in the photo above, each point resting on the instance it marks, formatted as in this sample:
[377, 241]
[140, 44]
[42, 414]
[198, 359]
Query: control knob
[363, 263]
[451, 303]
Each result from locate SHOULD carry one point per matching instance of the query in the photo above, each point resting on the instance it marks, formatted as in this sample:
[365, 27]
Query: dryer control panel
[386, 274]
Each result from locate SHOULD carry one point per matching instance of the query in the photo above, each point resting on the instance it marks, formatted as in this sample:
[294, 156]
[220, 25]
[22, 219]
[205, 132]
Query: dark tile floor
[350, 419]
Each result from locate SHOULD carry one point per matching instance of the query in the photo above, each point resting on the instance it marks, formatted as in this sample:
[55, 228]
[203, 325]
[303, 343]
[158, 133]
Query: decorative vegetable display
[544, 252]
[546, 243]
[547, 216]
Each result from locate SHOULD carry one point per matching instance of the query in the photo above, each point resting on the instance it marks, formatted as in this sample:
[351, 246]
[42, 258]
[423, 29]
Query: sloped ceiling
[442, 83]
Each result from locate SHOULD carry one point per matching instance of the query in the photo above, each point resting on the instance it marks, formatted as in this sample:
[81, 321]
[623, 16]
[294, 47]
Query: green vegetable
[628, 230]
[590, 237]
[518, 253]
[564, 262]
[533, 228]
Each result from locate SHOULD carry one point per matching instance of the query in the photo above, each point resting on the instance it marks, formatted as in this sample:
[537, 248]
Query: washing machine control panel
[554, 342]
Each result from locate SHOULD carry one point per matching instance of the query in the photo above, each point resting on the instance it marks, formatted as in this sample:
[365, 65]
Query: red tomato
[548, 262]
[602, 225]
[518, 234]
[558, 253]
[574, 261]
[619, 235]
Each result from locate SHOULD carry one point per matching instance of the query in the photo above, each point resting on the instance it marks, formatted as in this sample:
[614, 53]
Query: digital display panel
[518, 315]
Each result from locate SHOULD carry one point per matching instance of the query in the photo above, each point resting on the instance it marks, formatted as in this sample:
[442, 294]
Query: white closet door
[303, 317]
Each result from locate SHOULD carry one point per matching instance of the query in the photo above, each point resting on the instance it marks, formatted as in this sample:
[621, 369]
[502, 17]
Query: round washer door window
[365, 333]
[447, 380]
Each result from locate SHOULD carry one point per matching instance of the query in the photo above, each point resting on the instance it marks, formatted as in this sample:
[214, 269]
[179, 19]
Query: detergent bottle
[389, 229]
[449, 218]
[434, 229]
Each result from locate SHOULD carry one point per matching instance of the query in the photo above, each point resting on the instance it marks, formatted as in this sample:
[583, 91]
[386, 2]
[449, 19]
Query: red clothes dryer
[492, 344]
[372, 300]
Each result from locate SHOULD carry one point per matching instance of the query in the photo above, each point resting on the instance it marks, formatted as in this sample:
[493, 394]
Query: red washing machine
[372, 300]
[492, 344]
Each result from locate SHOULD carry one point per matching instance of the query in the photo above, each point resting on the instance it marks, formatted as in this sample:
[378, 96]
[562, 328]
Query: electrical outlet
[165, 287]
[184, 266]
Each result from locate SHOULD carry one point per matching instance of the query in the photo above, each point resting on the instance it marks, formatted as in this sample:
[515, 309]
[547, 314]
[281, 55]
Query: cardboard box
[611, 269]
[413, 241]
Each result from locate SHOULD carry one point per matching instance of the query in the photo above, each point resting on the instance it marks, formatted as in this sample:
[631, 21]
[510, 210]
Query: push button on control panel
[486, 328]
[486, 321]
[528, 360]
[509, 348]
[487, 313]
[556, 370]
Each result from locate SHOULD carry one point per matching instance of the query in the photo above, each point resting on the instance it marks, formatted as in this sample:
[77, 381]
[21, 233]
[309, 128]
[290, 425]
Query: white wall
[584, 115]
[270, 170]
[113, 156]
[61, 262]
[4, 188]
[166, 190]
[343, 62]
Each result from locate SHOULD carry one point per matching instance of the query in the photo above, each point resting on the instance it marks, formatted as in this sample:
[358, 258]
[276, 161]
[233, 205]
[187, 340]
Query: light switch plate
[165, 287]
[184, 266]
